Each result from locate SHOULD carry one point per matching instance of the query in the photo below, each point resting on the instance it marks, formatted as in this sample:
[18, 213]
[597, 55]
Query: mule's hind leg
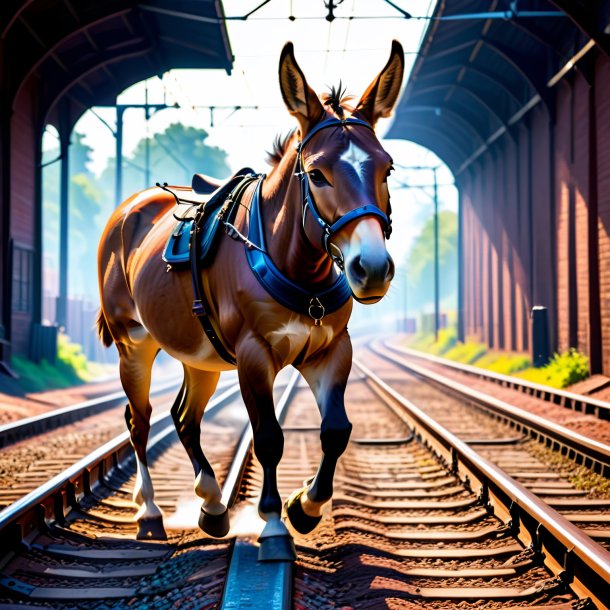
[327, 376]
[187, 414]
[135, 364]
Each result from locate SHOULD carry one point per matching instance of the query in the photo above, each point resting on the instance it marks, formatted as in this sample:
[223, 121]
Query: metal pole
[406, 309]
[147, 142]
[436, 261]
[118, 178]
[64, 192]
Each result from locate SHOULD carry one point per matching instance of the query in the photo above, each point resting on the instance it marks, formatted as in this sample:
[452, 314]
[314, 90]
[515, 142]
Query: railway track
[580, 448]
[564, 398]
[29, 427]
[418, 518]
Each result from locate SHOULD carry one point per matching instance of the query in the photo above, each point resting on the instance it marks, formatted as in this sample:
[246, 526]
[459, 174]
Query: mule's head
[343, 171]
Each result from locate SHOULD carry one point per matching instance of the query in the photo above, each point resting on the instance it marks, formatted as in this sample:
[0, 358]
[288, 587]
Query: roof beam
[447, 112]
[532, 72]
[591, 17]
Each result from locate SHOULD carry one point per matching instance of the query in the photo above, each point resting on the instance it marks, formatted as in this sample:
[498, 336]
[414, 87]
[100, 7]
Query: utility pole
[436, 260]
[118, 138]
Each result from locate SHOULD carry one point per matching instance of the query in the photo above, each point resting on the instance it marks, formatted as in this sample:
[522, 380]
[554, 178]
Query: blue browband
[284, 291]
[328, 230]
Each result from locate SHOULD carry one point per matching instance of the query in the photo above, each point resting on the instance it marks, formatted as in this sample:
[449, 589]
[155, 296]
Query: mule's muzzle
[369, 276]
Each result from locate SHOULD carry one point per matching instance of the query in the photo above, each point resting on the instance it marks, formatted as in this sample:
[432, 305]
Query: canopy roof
[88, 52]
[475, 77]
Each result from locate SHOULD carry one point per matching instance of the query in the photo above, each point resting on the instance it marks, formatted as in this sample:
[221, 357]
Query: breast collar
[314, 304]
[308, 202]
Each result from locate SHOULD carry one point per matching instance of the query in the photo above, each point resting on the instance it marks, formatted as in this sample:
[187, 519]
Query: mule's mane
[279, 148]
[335, 99]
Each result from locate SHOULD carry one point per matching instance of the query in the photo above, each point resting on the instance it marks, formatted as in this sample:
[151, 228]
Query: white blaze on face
[356, 157]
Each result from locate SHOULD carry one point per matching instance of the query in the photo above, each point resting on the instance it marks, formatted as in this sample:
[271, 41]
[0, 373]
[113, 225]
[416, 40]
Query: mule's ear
[381, 95]
[299, 97]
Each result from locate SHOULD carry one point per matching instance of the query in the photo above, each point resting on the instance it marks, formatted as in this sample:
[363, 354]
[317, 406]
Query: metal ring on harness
[316, 311]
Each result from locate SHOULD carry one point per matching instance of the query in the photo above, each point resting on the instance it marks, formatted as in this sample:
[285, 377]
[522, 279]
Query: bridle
[308, 202]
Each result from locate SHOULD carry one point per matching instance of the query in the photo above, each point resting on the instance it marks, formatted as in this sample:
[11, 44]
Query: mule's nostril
[391, 269]
[356, 270]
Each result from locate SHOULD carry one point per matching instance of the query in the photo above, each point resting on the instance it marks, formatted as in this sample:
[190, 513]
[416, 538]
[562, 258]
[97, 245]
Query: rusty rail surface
[250, 584]
[576, 559]
[564, 398]
[31, 426]
[589, 452]
[52, 501]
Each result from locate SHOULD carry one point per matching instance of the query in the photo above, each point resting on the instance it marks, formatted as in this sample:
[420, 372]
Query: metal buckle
[316, 311]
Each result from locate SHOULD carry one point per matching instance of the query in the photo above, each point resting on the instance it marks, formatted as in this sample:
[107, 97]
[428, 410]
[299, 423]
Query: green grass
[71, 368]
[562, 371]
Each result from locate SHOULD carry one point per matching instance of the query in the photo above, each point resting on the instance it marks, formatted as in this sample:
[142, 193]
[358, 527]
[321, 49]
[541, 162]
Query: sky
[352, 50]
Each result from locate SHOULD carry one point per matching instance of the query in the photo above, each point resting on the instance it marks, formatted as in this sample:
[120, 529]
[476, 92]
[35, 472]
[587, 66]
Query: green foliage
[447, 339]
[420, 261]
[503, 363]
[175, 154]
[70, 356]
[467, 352]
[71, 368]
[562, 371]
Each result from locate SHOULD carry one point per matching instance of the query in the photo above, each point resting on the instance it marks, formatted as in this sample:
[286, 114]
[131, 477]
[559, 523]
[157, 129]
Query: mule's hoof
[299, 519]
[277, 548]
[214, 525]
[151, 529]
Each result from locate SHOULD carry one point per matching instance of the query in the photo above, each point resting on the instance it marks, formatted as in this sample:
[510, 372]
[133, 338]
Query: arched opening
[50, 181]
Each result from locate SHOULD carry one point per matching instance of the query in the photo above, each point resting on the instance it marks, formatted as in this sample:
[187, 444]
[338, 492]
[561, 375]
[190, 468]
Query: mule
[322, 218]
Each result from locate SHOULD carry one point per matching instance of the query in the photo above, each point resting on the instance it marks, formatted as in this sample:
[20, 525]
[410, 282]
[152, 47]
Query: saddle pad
[177, 249]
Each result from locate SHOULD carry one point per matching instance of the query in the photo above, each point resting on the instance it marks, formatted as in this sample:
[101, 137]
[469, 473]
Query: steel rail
[564, 398]
[30, 426]
[52, 501]
[251, 584]
[578, 561]
[582, 449]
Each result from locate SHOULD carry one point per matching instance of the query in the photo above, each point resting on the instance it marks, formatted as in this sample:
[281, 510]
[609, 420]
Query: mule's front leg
[327, 376]
[257, 372]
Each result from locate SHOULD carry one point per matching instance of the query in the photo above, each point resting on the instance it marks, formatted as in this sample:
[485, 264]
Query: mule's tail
[102, 329]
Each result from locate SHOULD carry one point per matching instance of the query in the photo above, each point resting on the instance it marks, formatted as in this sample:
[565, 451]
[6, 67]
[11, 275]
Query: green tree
[174, 156]
[84, 198]
[420, 262]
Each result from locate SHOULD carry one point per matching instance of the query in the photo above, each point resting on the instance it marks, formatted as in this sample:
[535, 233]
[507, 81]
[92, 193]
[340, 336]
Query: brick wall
[529, 205]
[22, 198]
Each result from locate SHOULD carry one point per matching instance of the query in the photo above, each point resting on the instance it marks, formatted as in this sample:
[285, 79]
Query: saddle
[213, 212]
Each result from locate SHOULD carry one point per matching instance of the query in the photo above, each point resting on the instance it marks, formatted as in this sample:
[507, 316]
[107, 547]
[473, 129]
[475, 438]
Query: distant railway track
[417, 516]
[31, 426]
[578, 447]
[564, 398]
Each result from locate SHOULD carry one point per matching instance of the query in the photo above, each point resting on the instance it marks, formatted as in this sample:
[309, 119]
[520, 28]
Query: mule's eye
[387, 174]
[317, 177]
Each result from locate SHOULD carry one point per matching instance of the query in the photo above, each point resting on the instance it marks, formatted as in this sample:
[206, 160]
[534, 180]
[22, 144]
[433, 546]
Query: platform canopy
[88, 52]
[479, 72]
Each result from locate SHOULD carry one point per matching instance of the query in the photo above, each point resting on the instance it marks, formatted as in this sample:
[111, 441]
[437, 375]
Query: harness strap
[313, 304]
[201, 307]
[308, 201]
